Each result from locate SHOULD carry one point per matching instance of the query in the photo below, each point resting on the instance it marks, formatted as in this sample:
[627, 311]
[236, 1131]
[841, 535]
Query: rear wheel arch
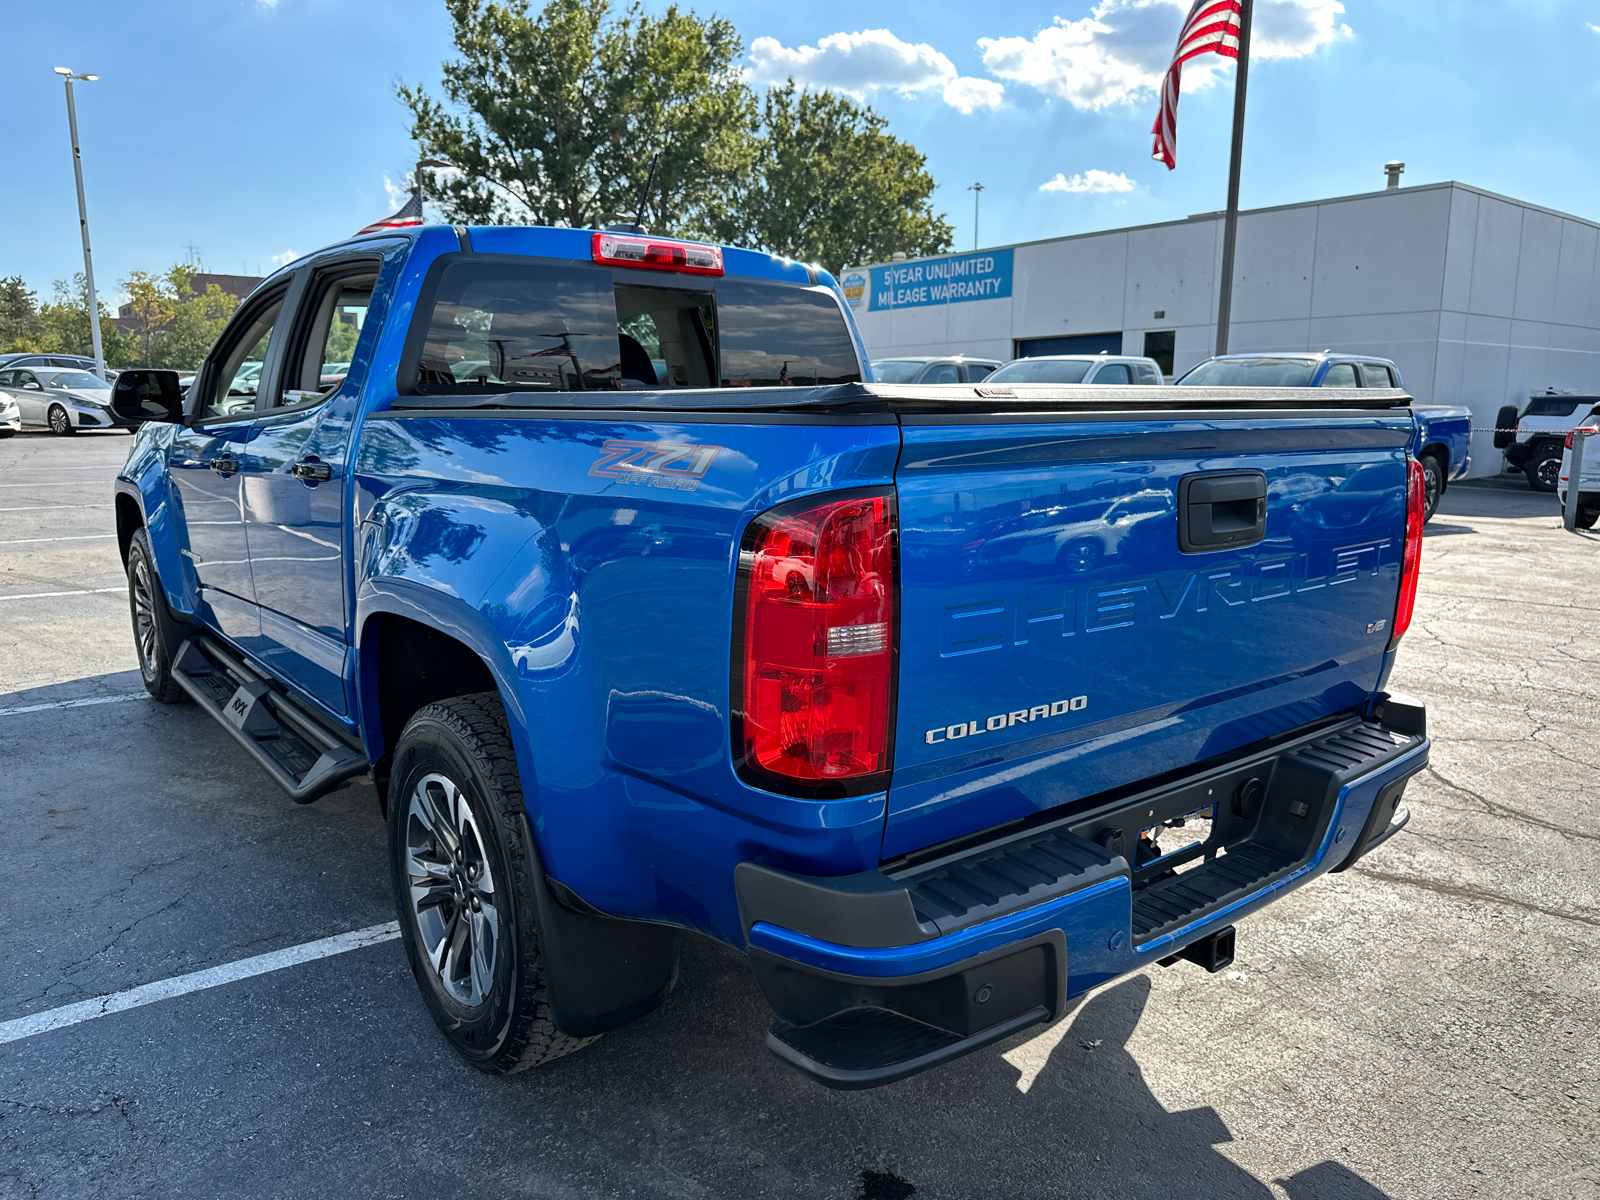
[407, 665]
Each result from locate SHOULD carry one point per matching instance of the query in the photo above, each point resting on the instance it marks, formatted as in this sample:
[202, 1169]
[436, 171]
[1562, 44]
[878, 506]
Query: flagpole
[1230, 221]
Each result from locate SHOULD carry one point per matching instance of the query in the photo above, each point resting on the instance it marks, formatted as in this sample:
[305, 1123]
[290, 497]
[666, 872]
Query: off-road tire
[465, 740]
[1544, 467]
[152, 624]
[1432, 485]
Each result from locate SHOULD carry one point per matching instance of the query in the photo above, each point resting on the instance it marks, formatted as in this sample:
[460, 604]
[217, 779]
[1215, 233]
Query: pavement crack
[1464, 892]
[1495, 809]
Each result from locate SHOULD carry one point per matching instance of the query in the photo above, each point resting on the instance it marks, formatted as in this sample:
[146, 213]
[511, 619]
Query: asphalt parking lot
[1424, 1025]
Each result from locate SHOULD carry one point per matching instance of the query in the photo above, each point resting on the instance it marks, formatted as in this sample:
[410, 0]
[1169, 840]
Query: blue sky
[255, 129]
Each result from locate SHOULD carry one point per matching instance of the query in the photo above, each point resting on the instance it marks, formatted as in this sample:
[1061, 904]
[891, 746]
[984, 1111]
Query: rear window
[509, 325]
[1252, 372]
[1555, 406]
[1042, 370]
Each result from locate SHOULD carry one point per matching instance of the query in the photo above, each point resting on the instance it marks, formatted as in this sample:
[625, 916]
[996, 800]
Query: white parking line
[43, 507]
[182, 985]
[46, 595]
[81, 537]
[84, 703]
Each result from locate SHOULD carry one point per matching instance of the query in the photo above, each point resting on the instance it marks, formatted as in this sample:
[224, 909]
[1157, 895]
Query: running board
[293, 745]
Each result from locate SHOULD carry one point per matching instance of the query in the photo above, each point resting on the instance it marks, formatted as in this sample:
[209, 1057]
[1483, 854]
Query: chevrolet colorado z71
[647, 611]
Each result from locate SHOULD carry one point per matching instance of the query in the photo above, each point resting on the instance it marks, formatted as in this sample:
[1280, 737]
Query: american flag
[1212, 27]
[410, 214]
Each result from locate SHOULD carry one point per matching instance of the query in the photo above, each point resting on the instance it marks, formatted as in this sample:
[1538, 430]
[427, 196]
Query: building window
[1159, 346]
[1076, 343]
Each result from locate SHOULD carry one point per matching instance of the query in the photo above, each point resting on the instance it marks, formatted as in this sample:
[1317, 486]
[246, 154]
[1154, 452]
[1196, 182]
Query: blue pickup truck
[648, 614]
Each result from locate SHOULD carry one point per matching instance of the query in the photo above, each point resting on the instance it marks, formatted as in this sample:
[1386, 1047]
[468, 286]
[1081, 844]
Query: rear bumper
[861, 968]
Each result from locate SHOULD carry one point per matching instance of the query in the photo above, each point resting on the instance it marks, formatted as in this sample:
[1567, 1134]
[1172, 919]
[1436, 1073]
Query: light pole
[83, 218]
[977, 194]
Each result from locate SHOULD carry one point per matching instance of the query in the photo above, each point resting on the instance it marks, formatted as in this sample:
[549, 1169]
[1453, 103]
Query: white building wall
[1479, 299]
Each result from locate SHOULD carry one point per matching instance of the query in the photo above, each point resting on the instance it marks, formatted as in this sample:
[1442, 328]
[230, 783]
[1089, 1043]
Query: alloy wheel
[452, 889]
[1549, 471]
[144, 617]
[59, 421]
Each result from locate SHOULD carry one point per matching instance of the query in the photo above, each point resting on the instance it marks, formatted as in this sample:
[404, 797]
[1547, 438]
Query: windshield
[502, 326]
[1042, 370]
[895, 370]
[74, 379]
[1252, 372]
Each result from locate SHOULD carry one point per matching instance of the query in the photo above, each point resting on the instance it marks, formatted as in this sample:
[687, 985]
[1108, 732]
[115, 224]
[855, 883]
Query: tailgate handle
[1222, 511]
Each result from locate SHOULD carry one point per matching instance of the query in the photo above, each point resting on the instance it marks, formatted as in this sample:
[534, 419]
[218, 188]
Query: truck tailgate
[1056, 640]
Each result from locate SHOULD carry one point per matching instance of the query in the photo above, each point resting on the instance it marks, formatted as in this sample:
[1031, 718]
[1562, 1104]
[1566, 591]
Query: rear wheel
[151, 623]
[1544, 467]
[1432, 485]
[1586, 518]
[464, 870]
[59, 420]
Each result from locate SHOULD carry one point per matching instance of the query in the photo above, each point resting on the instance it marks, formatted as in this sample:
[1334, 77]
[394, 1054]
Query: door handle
[226, 465]
[310, 470]
[1221, 512]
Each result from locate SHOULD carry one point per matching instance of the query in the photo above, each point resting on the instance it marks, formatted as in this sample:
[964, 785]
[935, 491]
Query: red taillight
[662, 254]
[815, 671]
[1591, 430]
[1411, 557]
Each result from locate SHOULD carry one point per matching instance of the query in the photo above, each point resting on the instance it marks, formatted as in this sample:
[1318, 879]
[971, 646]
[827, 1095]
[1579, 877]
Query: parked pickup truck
[1444, 435]
[647, 612]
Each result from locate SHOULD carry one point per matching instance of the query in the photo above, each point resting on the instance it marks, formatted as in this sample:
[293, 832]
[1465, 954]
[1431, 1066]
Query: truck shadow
[968, 1129]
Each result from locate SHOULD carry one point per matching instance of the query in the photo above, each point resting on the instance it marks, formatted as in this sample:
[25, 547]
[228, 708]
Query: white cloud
[399, 193]
[284, 259]
[869, 60]
[966, 93]
[1119, 52]
[1089, 181]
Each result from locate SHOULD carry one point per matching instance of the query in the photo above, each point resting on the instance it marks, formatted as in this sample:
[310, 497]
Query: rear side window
[1252, 372]
[1376, 375]
[896, 370]
[503, 326]
[1147, 374]
[1340, 375]
[978, 371]
[1113, 373]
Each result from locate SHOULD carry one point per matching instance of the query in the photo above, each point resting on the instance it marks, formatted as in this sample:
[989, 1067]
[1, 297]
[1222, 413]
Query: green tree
[830, 185]
[153, 302]
[65, 326]
[19, 315]
[197, 321]
[556, 117]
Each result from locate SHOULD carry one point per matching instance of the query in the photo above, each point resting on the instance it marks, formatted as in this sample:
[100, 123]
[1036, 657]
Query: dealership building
[1480, 299]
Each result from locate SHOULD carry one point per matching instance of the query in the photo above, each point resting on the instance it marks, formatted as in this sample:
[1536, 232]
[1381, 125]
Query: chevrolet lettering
[642, 612]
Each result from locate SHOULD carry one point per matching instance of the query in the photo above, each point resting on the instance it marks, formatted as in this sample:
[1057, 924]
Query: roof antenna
[618, 222]
[644, 196]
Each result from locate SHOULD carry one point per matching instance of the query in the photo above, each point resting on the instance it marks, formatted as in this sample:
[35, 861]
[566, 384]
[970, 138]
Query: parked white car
[10, 416]
[1589, 481]
[1079, 368]
[60, 400]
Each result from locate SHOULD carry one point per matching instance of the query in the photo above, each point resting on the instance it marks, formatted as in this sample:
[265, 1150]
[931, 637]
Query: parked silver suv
[950, 368]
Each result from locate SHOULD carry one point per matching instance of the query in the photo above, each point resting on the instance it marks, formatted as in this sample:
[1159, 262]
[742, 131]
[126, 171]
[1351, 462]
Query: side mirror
[32, 387]
[141, 396]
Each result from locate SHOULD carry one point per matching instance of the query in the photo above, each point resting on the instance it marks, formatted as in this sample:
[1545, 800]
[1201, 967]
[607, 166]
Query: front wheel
[1432, 485]
[60, 422]
[464, 869]
[151, 623]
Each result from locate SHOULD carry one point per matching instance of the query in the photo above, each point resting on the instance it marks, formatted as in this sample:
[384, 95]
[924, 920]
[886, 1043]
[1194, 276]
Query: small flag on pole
[1212, 27]
[410, 214]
